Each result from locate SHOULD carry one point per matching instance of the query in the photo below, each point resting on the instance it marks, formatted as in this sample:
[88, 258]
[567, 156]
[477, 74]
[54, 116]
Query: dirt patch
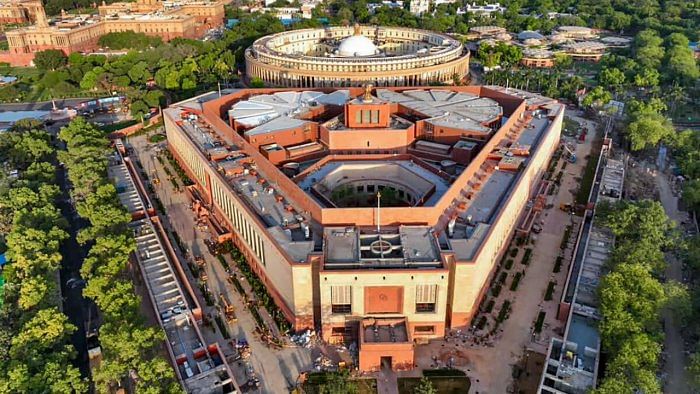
[527, 372]
[453, 357]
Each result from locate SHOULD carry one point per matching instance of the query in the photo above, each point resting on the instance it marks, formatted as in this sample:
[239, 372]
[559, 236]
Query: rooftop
[384, 331]
[405, 247]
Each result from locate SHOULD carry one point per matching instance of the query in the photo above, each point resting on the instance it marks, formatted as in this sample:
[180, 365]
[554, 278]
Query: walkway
[674, 368]
[490, 367]
[277, 370]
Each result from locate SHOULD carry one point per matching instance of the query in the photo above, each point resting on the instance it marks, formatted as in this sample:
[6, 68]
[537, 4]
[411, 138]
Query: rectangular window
[338, 331]
[365, 116]
[375, 116]
[426, 298]
[424, 330]
[358, 117]
[341, 299]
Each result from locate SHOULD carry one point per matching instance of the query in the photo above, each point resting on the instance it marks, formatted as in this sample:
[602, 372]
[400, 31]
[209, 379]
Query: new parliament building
[376, 215]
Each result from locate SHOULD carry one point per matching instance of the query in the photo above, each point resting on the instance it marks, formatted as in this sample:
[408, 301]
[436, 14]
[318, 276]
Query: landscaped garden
[445, 381]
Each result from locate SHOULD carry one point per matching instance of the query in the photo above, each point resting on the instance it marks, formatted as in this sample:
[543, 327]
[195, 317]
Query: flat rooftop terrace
[384, 331]
[405, 247]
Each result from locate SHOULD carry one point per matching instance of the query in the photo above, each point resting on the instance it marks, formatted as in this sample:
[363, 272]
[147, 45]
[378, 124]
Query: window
[424, 330]
[341, 299]
[338, 331]
[358, 117]
[366, 116]
[375, 116]
[426, 298]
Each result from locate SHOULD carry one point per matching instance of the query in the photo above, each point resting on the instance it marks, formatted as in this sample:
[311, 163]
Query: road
[75, 306]
[42, 105]
[674, 368]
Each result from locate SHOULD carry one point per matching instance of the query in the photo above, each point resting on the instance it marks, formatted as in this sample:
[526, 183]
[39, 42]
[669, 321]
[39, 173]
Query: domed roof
[357, 45]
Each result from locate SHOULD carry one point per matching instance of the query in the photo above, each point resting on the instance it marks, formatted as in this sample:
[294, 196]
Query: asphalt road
[75, 306]
[42, 105]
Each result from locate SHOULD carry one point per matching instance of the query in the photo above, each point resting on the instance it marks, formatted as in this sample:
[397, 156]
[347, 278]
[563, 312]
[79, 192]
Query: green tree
[597, 97]
[649, 130]
[694, 370]
[338, 383]
[425, 387]
[50, 59]
[648, 48]
[630, 301]
[612, 77]
[257, 83]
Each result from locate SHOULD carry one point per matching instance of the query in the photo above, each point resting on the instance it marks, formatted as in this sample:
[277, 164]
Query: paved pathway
[490, 368]
[674, 368]
[277, 370]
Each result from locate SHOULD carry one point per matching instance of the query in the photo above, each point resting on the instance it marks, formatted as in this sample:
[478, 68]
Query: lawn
[589, 172]
[444, 381]
[316, 379]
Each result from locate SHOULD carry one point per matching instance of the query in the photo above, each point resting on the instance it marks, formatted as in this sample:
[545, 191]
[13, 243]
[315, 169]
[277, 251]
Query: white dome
[357, 45]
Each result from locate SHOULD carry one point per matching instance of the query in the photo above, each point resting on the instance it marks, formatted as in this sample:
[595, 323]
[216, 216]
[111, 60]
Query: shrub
[496, 290]
[489, 306]
[502, 277]
[550, 291]
[516, 281]
[513, 252]
[509, 264]
[481, 323]
[540, 322]
[565, 238]
[504, 312]
[527, 256]
[224, 263]
[557, 264]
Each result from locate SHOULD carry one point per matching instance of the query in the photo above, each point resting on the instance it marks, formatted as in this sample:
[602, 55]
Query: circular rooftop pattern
[353, 56]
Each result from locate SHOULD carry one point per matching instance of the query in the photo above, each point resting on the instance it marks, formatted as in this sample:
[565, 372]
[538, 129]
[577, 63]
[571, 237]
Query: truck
[229, 310]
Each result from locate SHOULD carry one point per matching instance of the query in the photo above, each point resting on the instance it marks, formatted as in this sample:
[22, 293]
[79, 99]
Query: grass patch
[589, 172]
[527, 257]
[516, 281]
[222, 327]
[443, 384]
[550, 291]
[540, 322]
[155, 138]
[315, 383]
[118, 126]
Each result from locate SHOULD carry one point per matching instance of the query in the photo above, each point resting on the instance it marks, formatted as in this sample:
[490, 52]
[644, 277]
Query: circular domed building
[354, 56]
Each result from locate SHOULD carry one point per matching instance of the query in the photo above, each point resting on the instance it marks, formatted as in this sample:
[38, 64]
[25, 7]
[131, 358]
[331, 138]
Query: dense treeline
[36, 352]
[128, 40]
[128, 345]
[666, 17]
[632, 295]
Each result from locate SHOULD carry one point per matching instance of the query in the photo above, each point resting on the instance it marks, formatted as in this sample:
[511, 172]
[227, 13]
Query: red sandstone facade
[319, 289]
[190, 20]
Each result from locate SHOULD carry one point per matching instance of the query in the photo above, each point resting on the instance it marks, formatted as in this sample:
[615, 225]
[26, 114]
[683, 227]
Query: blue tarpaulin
[3, 260]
